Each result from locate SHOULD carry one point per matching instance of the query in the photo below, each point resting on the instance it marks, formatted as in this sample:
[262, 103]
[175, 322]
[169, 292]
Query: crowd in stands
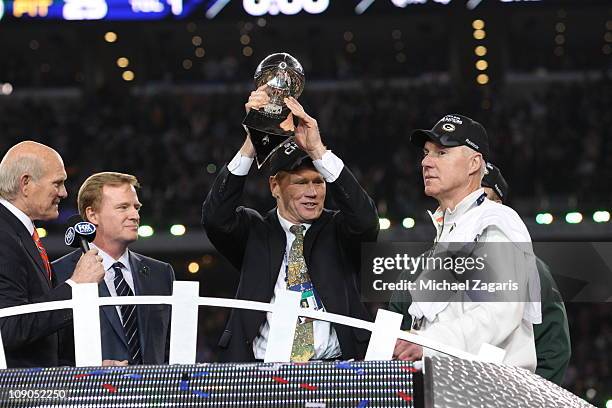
[553, 143]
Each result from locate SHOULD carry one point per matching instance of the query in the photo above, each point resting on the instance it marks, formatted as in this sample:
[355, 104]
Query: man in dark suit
[298, 245]
[109, 201]
[32, 179]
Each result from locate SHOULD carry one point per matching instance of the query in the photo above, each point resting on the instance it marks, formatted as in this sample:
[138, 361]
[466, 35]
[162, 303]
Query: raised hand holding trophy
[283, 76]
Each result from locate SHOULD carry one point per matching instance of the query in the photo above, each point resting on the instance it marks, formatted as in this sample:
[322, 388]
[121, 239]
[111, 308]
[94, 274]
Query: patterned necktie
[297, 273]
[42, 252]
[128, 316]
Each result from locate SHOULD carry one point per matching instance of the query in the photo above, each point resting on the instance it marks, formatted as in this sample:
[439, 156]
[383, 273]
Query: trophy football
[284, 77]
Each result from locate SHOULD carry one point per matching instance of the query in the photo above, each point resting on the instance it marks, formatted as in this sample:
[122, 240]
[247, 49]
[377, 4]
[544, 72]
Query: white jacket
[467, 325]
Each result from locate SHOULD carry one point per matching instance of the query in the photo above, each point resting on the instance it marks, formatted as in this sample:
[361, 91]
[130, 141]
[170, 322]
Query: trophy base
[266, 133]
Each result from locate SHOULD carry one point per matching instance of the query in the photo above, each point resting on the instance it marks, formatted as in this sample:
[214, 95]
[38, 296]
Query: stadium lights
[211, 168]
[560, 27]
[609, 403]
[482, 79]
[591, 393]
[480, 34]
[573, 217]
[607, 48]
[408, 222]
[123, 62]
[544, 218]
[178, 230]
[128, 76]
[41, 232]
[478, 24]
[481, 65]
[207, 260]
[480, 50]
[384, 223]
[601, 216]
[110, 37]
[6, 89]
[193, 267]
[145, 231]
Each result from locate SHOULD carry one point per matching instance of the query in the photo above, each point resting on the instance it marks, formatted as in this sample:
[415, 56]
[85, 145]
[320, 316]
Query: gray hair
[467, 151]
[12, 170]
[483, 168]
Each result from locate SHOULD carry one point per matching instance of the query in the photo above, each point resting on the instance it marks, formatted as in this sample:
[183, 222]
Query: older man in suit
[298, 245]
[32, 180]
[130, 334]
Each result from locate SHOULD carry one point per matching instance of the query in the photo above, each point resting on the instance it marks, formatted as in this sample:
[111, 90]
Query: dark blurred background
[156, 88]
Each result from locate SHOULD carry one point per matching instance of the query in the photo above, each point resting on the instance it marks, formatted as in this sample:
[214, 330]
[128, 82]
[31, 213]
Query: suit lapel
[277, 243]
[313, 233]
[140, 275]
[27, 243]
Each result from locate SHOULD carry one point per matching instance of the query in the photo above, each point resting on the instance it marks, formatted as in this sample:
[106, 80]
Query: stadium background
[160, 94]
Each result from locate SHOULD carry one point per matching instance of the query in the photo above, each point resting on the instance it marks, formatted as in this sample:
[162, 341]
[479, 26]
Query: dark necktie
[42, 252]
[128, 316]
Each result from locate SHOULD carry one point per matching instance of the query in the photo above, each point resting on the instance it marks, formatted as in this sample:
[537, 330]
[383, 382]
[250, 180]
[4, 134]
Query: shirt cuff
[330, 166]
[71, 283]
[240, 165]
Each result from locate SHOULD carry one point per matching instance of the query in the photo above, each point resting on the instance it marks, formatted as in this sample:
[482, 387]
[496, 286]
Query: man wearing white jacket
[454, 154]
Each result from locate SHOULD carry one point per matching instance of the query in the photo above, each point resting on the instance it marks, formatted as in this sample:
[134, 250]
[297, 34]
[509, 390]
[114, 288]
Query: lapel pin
[144, 270]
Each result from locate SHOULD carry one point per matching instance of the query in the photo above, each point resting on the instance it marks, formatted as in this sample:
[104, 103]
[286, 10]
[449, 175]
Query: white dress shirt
[109, 272]
[326, 343]
[330, 166]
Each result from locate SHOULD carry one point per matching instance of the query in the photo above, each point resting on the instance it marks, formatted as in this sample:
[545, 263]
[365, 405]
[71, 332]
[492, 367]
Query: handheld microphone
[79, 233]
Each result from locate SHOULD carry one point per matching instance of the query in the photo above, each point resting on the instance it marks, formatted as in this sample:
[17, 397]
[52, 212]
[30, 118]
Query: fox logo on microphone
[84, 228]
[69, 236]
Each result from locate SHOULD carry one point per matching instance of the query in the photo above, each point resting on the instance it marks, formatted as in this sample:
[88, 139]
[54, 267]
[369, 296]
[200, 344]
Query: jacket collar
[108, 261]
[24, 239]
[278, 240]
[21, 216]
[286, 224]
[451, 216]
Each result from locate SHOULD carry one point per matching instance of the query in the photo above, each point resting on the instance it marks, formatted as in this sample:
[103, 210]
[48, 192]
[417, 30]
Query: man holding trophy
[298, 245]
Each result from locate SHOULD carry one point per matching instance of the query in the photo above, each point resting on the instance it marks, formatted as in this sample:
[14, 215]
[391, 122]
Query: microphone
[79, 233]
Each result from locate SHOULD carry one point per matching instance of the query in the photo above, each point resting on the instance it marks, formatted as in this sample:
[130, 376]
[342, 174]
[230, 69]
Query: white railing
[185, 301]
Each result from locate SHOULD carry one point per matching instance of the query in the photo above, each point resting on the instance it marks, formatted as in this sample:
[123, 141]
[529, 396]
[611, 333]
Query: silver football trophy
[284, 77]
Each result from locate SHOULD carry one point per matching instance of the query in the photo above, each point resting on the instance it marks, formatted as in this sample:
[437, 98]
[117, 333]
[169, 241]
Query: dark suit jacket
[30, 340]
[151, 277]
[255, 244]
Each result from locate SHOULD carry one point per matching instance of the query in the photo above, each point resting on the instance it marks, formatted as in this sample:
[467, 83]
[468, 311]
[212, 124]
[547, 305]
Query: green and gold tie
[297, 274]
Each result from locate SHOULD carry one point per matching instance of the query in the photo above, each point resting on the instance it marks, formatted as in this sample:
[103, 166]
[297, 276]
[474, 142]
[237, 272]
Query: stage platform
[444, 382]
